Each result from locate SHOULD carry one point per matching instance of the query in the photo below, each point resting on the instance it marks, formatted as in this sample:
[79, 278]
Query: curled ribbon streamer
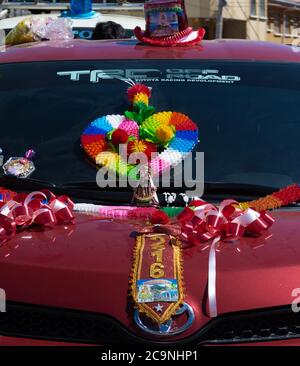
[226, 223]
[41, 208]
[212, 279]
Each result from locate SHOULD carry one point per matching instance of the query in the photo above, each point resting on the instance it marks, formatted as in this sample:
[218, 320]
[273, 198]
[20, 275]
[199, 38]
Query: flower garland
[283, 197]
[156, 216]
[171, 135]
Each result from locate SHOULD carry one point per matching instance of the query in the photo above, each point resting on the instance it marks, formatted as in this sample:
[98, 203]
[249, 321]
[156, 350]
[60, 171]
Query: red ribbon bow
[226, 223]
[42, 208]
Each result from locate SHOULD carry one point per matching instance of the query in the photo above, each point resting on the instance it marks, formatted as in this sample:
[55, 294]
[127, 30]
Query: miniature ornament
[167, 25]
[185, 198]
[172, 198]
[145, 192]
[166, 196]
[20, 167]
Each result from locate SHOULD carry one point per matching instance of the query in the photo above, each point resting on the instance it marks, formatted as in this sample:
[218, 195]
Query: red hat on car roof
[167, 25]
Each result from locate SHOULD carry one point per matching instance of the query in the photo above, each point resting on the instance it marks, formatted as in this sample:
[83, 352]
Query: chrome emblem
[168, 328]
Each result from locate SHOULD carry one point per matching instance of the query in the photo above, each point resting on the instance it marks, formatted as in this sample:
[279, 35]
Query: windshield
[247, 113]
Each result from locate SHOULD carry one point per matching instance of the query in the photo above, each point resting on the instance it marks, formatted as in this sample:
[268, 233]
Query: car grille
[250, 326]
[33, 321]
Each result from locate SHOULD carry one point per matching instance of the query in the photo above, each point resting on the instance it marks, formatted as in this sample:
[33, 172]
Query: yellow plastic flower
[242, 206]
[108, 159]
[141, 98]
[112, 161]
[138, 146]
[164, 134]
[163, 117]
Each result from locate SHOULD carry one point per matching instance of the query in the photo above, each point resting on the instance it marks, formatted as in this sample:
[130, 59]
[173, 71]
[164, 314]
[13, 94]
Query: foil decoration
[52, 29]
[39, 208]
[20, 167]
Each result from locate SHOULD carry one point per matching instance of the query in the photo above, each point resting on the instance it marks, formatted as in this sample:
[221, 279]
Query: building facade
[245, 19]
[283, 21]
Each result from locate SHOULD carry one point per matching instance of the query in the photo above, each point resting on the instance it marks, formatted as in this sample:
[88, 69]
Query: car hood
[86, 266]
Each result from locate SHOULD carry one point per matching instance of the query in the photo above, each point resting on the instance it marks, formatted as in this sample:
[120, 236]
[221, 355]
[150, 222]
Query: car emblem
[169, 328]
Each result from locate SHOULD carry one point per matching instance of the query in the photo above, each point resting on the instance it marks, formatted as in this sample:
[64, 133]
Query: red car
[69, 285]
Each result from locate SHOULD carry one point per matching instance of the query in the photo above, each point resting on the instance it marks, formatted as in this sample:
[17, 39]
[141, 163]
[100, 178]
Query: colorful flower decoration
[283, 197]
[171, 135]
[140, 146]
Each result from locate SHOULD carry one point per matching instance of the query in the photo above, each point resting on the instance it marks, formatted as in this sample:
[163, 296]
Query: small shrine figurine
[145, 192]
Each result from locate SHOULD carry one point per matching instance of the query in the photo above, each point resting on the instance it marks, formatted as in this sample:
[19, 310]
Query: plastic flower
[93, 144]
[108, 159]
[164, 134]
[138, 89]
[172, 157]
[141, 98]
[159, 217]
[131, 127]
[242, 206]
[119, 136]
[288, 194]
[266, 203]
[141, 146]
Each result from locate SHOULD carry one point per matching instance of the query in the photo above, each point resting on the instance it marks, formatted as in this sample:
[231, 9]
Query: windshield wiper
[24, 184]
[213, 191]
[209, 187]
[89, 190]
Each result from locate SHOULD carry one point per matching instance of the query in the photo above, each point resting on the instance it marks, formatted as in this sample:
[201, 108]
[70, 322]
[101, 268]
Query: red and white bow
[42, 208]
[226, 223]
